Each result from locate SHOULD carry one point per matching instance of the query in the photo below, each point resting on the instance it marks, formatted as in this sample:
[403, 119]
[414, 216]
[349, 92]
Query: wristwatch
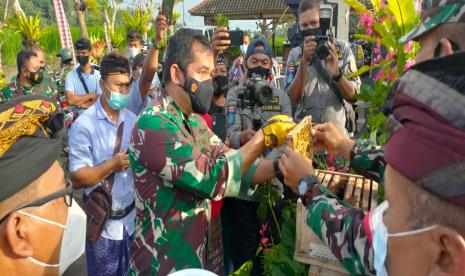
[277, 171]
[305, 186]
[338, 77]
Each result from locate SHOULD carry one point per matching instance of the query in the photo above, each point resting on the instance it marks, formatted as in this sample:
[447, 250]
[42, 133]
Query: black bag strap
[79, 72]
[108, 182]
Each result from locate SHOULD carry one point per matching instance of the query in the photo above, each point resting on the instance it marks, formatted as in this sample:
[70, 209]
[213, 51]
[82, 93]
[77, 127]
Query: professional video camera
[256, 92]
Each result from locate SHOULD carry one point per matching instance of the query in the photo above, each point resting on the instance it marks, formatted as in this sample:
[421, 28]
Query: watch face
[302, 187]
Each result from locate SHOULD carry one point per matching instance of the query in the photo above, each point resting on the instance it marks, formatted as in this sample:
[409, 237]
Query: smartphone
[167, 9]
[236, 37]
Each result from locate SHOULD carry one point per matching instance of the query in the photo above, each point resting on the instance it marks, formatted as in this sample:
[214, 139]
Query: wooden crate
[355, 190]
[300, 138]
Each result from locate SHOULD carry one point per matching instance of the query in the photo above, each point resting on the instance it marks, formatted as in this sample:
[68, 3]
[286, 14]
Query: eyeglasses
[66, 193]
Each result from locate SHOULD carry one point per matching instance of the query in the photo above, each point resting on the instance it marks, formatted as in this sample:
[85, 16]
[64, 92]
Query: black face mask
[310, 32]
[258, 71]
[36, 77]
[200, 93]
[83, 60]
[220, 84]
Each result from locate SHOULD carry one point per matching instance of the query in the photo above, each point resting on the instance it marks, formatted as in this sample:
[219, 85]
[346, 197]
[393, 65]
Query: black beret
[31, 135]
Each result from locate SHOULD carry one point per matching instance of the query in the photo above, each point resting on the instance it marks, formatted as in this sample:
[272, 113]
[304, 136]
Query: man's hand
[160, 28]
[309, 49]
[328, 137]
[276, 130]
[239, 61]
[220, 40]
[332, 61]
[294, 166]
[246, 135]
[92, 96]
[120, 161]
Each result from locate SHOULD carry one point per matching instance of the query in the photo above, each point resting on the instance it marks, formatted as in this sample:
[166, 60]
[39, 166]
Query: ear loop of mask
[45, 221]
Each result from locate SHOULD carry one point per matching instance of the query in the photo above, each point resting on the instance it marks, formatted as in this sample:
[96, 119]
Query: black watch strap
[338, 77]
[277, 171]
[310, 180]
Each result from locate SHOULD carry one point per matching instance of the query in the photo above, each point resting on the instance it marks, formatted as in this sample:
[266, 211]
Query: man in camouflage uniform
[427, 108]
[48, 81]
[317, 85]
[66, 62]
[30, 79]
[180, 166]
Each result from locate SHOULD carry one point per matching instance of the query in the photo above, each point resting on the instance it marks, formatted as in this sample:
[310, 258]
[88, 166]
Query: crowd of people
[168, 154]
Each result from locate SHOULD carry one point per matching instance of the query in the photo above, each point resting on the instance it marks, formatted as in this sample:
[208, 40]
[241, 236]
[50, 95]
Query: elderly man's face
[418, 254]
[24, 235]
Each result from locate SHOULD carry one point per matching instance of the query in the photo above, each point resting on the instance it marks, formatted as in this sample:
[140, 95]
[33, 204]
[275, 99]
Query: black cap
[82, 44]
[31, 131]
[255, 43]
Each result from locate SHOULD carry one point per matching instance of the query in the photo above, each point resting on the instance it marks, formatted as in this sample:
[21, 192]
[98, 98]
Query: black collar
[449, 63]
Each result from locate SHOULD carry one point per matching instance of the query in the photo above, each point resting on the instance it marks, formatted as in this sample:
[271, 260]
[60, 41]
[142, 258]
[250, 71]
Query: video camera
[256, 92]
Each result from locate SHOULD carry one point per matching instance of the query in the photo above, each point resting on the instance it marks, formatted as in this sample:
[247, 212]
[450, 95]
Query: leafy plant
[97, 48]
[29, 29]
[279, 260]
[244, 270]
[138, 21]
[384, 26]
[117, 38]
[176, 16]
[221, 20]
[2, 80]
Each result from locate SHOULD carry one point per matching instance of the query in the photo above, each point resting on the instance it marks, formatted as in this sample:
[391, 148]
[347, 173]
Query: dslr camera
[256, 92]
[322, 50]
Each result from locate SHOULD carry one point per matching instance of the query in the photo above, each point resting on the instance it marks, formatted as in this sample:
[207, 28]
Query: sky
[197, 21]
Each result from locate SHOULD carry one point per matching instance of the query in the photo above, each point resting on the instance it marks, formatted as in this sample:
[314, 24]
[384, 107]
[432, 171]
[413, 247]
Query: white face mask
[133, 52]
[380, 237]
[73, 241]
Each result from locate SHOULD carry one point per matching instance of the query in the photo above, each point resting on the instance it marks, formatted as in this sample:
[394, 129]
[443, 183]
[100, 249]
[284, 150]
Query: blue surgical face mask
[117, 101]
[380, 237]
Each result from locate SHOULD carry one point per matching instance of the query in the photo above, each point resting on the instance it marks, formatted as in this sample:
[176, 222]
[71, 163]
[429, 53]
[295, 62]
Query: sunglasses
[66, 193]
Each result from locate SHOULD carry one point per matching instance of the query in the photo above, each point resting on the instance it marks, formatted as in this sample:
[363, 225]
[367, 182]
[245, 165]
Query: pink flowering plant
[383, 26]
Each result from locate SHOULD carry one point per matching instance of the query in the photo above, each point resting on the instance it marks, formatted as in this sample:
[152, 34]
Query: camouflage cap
[436, 12]
[65, 54]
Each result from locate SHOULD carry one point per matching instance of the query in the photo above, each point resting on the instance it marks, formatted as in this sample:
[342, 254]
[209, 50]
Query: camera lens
[322, 50]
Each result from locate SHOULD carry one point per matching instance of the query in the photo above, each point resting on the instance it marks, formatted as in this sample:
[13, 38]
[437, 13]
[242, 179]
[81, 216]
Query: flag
[63, 26]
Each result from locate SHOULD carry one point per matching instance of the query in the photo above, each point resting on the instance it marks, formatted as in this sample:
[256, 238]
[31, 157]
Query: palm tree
[81, 7]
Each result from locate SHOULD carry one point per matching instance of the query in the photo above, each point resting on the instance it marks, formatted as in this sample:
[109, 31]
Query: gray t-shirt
[322, 100]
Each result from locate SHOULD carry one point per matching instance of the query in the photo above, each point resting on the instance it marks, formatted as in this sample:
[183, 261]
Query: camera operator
[248, 106]
[251, 104]
[315, 75]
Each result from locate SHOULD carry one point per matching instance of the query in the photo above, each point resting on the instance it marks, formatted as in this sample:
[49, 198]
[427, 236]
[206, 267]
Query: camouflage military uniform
[342, 227]
[345, 229]
[45, 88]
[179, 167]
